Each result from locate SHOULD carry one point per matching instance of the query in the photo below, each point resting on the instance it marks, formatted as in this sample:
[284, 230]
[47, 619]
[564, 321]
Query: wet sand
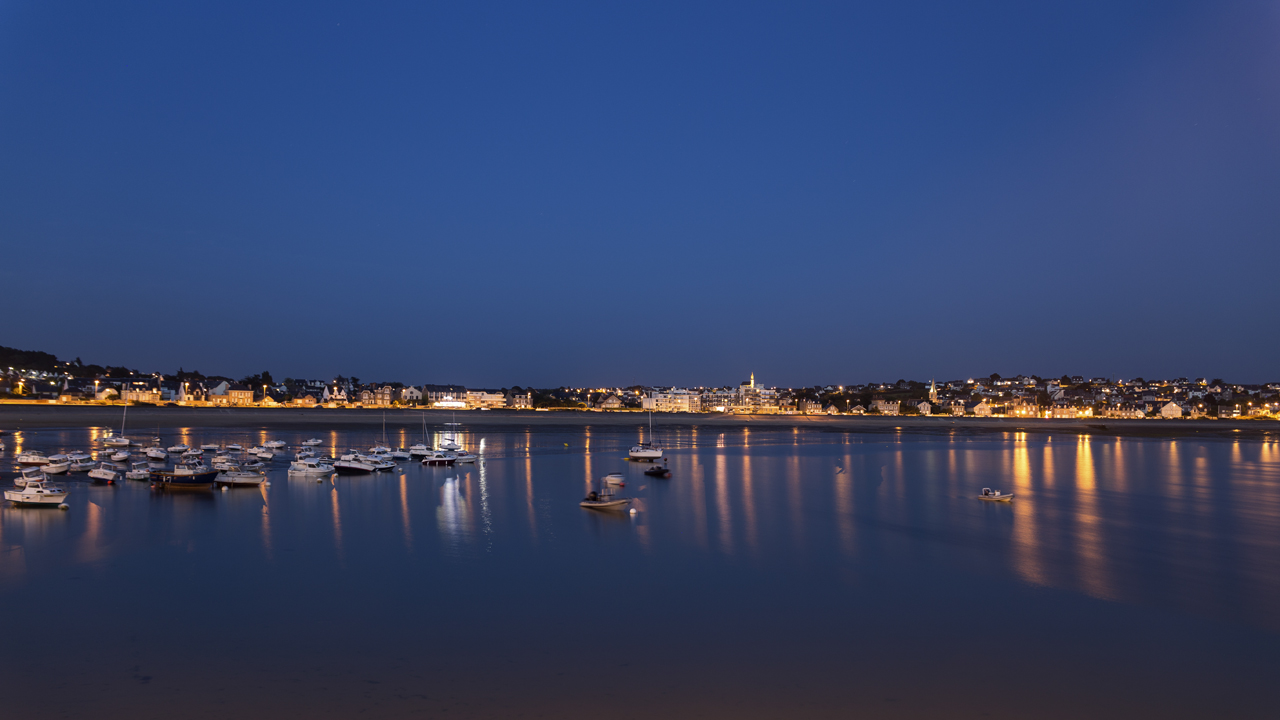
[18, 417]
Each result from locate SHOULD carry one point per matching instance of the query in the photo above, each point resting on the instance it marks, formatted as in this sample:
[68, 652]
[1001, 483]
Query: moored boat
[32, 457]
[235, 477]
[604, 500]
[38, 492]
[184, 477]
[437, 457]
[349, 465]
[157, 454]
[614, 479]
[30, 475]
[995, 495]
[140, 470]
[310, 466]
[106, 472]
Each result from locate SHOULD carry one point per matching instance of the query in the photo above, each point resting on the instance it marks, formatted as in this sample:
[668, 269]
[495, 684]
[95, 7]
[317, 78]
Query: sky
[654, 193]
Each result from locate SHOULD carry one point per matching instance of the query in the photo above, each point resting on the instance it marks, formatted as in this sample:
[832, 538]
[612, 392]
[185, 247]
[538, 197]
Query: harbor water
[783, 573]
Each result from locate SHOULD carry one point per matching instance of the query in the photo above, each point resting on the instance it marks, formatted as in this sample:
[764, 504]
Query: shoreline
[17, 418]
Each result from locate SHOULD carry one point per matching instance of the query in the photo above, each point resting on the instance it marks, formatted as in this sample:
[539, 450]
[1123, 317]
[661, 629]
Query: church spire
[753, 379]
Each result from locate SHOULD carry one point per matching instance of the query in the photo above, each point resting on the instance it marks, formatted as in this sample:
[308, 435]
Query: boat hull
[50, 500]
[182, 481]
[996, 498]
[605, 504]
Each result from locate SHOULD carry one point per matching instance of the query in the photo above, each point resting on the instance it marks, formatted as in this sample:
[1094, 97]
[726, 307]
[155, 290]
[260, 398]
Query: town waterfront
[778, 572]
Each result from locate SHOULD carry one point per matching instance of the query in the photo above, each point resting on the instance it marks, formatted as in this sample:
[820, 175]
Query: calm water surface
[776, 574]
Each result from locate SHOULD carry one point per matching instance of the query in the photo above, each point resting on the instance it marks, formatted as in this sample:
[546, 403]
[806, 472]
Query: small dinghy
[604, 500]
[614, 479]
[313, 441]
[995, 495]
[658, 471]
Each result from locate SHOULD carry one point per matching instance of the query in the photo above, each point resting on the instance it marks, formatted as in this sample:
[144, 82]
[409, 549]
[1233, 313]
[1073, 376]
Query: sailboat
[647, 450]
[421, 448]
[450, 444]
[118, 440]
[382, 448]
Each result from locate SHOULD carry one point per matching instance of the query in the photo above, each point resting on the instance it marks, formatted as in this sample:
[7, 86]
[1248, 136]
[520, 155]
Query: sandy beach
[18, 417]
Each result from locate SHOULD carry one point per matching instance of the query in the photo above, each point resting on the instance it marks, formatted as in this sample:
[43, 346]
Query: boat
[210, 446]
[273, 444]
[222, 458]
[120, 440]
[84, 465]
[38, 492]
[646, 450]
[614, 479]
[235, 447]
[32, 457]
[451, 441]
[235, 477]
[313, 442]
[400, 455]
[995, 495]
[304, 453]
[463, 456]
[438, 457]
[349, 465]
[192, 452]
[157, 454]
[78, 455]
[310, 466]
[253, 464]
[140, 470]
[184, 477]
[419, 450]
[120, 456]
[179, 448]
[106, 472]
[265, 455]
[30, 475]
[604, 500]
[56, 468]
[658, 471]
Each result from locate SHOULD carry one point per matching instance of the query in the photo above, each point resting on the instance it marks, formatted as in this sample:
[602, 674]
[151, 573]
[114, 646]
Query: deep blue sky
[600, 193]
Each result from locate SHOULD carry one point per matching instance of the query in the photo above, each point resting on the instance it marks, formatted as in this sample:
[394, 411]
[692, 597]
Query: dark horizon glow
[506, 194]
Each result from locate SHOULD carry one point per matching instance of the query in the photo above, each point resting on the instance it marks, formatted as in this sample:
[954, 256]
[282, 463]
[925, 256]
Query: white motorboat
[78, 455]
[313, 442]
[253, 465]
[614, 479]
[106, 472]
[379, 450]
[304, 453]
[38, 492]
[210, 446]
[235, 477]
[995, 495]
[82, 465]
[419, 450]
[157, 454]
[646, 450]
[463, 456]
[235, 447]
[604, 500]
[222, 458]
[310, 466]
[120, 456]
[179, 448]
[265, 455]
[400, 455]
[140, 470]
[273, 444]
[30, 475]
[32, 457]
[56, 468]
[191, 452]
[352, 466]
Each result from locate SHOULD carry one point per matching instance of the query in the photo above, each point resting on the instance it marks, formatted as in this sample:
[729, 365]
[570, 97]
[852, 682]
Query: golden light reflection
[404, 513]
[843, 487]
[266, 533]
[795, 500]
[1092, 555]
[91, 548]
[528, 493]
[1026, 541]
[337, 522]
[723, 514]
[748, 501]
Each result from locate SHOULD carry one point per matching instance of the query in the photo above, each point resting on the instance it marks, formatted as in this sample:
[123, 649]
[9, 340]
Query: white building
[673, 400]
